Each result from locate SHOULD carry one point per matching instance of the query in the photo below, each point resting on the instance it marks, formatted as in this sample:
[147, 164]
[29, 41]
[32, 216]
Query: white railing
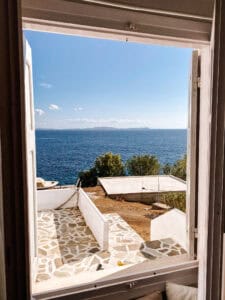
[94, 219]
[57, 198]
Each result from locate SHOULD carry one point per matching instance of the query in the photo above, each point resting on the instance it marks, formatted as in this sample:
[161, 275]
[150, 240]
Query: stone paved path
[66, 246]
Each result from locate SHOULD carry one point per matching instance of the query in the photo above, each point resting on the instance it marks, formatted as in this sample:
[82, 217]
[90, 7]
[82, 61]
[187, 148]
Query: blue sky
[85, 82]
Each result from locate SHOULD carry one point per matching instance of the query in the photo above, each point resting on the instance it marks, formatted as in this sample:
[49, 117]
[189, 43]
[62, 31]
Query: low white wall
[55, 198]
[172, 224]
[58, 198]
[94, 219]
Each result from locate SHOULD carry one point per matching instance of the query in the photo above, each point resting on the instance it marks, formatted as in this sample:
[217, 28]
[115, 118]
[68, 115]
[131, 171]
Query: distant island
[99, 128]
[114, 128]
[109, 129]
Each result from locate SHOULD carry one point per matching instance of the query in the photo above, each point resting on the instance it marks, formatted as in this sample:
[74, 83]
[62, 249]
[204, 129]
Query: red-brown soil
[137, 215]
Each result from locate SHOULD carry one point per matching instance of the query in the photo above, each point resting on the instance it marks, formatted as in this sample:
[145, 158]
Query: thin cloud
[46, 85]
[78, 108]
[111, 122]
[53, 107]
[39, 111]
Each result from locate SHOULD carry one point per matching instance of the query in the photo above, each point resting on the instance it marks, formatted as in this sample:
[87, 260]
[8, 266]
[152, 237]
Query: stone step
[160, 205]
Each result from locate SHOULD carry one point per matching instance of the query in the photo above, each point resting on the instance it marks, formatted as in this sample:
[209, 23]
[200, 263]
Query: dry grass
[137, 215]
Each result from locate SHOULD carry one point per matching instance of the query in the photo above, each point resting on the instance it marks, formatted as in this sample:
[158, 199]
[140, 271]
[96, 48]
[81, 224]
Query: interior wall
[2, 250]
[13, 161]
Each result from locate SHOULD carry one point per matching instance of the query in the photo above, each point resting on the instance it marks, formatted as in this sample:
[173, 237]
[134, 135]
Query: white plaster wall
[170, 225]
[94, 219]
[55, 198]
[58, 198]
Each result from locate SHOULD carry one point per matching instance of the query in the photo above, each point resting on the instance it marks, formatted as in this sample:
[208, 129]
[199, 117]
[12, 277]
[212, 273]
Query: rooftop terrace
[67, 248]
[142, 184]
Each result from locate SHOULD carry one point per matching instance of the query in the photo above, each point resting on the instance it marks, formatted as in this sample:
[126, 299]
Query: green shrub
[175, 200]
[178, 169]
[108, 165]
[105, 165]
[167, 169]
[88, 178]
[139, 165]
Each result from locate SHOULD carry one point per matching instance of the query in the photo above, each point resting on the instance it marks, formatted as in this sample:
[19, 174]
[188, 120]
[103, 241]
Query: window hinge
[199, 82]
[196, 232]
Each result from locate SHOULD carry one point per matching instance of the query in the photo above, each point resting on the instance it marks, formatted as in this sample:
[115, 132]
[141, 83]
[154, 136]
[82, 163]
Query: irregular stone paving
[124, 242]
[159, 248]
[67, 247]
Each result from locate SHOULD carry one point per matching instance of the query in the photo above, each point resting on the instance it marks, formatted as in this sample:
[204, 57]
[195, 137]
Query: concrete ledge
[145, 189]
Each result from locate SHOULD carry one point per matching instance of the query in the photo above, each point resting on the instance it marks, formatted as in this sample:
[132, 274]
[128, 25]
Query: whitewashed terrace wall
[172, 224]
[94, 219]
[56, 198]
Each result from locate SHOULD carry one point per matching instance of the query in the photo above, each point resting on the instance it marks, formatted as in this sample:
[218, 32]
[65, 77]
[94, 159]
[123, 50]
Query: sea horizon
[63, 153]
[111, 128]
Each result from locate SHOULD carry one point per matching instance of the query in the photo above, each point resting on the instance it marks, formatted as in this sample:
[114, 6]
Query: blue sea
[62, 154]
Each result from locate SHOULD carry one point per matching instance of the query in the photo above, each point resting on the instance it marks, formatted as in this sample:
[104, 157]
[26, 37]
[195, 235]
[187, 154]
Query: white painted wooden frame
[122, 285]
[58, 16]
[204, 167]
[69, 17]
[192, 154]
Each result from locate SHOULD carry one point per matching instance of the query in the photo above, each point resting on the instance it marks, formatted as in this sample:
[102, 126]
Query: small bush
[139, 165]
[178, 169]
[175, 200]
[167, 169]
[88, 178]
[108, 165]
[105, 165]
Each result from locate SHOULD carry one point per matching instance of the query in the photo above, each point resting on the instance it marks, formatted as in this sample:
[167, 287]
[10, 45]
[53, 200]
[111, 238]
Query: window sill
[131, 279]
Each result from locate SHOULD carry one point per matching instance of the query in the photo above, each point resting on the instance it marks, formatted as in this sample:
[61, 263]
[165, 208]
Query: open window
[69, 197]
[179, 25]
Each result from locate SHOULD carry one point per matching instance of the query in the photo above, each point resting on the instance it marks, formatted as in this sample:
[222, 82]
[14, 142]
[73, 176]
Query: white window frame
[71, 18]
